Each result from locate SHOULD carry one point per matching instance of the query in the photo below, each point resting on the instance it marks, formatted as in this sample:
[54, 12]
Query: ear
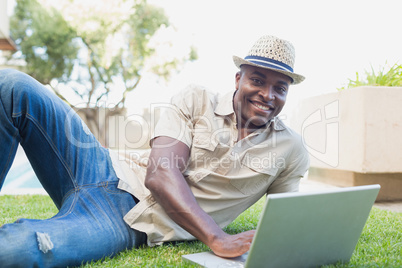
[237, 79]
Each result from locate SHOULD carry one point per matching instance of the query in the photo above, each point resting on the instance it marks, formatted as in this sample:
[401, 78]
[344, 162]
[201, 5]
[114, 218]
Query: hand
[230, 246]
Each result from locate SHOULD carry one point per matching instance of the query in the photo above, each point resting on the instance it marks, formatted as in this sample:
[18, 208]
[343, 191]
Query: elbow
[151, 181]
[153, 178]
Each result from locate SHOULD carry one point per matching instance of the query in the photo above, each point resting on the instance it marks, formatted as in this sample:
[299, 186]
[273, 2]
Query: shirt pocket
[203, 152]
[204, 141]
[195, 176]
[260, 178]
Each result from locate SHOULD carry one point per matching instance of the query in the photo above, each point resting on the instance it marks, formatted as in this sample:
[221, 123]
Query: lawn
[380, 244]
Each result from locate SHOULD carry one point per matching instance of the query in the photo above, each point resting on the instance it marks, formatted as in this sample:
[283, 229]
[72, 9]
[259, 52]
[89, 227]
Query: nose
[268, 94]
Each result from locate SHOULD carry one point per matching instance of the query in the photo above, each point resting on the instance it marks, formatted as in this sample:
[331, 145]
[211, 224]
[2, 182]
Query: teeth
[262, 107]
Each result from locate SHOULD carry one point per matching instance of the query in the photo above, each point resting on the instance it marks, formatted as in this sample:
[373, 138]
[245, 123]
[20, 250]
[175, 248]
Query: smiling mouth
[262, 106]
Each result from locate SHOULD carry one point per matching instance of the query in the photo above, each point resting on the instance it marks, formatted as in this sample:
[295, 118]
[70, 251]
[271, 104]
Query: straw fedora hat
[270, 52]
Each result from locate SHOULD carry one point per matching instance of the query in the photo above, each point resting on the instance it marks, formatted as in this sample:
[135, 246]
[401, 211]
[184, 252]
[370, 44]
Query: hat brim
[296, 78]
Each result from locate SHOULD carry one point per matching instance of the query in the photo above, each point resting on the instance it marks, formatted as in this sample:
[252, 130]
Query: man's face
[261, 95]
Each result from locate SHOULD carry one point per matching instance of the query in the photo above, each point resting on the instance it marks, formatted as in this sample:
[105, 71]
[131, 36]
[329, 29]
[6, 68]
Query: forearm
[168, 186]
[171, 191]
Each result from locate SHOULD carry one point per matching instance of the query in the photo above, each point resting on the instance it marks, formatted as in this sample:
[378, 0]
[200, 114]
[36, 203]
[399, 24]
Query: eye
[281, 89]
[256, 81]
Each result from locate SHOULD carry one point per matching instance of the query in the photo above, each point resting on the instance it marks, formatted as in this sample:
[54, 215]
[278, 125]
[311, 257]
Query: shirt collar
[225, 108]
[278, 124]
[225, 104]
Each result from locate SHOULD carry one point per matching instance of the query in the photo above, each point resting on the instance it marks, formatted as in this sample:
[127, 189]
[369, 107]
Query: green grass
[380, 244]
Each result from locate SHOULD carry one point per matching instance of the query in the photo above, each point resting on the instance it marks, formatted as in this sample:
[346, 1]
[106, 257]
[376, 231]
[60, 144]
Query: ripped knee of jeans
[44, 242]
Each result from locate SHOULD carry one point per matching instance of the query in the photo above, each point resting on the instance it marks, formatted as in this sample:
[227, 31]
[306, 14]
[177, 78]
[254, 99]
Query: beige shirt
[225, 176]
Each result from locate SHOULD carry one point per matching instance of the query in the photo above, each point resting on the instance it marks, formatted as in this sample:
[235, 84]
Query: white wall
[4, 22]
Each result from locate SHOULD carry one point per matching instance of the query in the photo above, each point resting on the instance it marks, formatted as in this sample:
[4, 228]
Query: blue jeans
[73, 168]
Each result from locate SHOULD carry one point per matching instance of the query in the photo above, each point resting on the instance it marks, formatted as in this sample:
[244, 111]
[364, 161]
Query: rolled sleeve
[175, 124]
[177, 118]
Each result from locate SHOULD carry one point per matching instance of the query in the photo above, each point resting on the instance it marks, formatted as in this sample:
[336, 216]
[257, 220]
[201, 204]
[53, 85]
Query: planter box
[354, 137]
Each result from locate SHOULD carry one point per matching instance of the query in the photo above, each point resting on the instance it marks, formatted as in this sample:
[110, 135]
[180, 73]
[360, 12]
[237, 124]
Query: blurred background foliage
[387, 78]
[95, 48]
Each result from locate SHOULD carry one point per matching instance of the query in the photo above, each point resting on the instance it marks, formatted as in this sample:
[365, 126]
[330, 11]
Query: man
[212, 157]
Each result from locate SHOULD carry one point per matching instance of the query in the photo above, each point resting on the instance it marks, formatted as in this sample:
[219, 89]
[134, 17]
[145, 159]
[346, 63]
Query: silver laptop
[304, 229]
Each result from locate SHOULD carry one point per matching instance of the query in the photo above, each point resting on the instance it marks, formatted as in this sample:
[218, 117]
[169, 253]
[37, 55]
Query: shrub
[390, 78]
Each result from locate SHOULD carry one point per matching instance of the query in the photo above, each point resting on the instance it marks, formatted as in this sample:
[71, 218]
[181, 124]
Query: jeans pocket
[111, 187]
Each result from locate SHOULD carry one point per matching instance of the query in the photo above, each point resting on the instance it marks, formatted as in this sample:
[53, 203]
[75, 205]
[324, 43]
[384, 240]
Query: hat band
[269, 63]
